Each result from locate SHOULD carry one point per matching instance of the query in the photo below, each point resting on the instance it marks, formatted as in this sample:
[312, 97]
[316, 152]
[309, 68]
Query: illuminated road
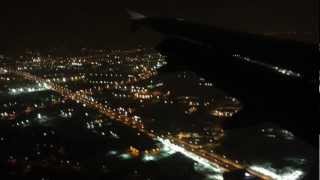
[87, 101]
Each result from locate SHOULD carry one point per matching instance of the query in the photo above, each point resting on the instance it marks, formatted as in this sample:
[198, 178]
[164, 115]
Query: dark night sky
[105, 23]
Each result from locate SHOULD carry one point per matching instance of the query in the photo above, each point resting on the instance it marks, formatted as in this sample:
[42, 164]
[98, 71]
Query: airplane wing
[277, 80]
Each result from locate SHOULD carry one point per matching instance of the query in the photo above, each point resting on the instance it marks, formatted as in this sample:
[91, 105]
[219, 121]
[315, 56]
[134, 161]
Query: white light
[286, 72]
[148, 158]
[112, 152]
[190, 155]
[290, 174]
[215, 177]
[125, 156]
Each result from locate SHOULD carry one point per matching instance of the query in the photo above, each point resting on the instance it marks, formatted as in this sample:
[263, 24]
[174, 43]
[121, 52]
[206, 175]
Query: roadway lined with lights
[283, 71]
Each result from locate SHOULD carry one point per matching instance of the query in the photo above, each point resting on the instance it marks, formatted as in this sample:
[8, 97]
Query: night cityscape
[74, 105]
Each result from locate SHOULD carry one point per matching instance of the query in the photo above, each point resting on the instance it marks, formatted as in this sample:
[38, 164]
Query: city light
[190, 155]
[275, 68]
[288, 174]
[103, 93]
[37, 88]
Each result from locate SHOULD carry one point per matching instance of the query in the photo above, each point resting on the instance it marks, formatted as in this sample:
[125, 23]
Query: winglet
[135, 15]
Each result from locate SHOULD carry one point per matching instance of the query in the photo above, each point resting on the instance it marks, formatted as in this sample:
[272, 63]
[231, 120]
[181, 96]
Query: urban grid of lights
[125, 88]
